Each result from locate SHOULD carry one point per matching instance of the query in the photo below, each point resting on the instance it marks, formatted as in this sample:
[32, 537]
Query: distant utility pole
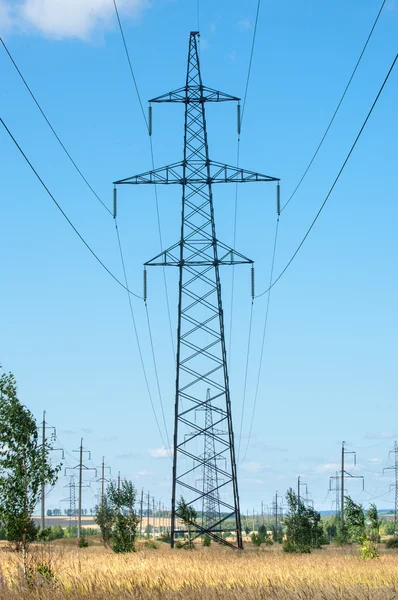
[44, 427]
[102, 479]
[141, 510]
[395, 484]
[277, 510]
[81, 468]
[153, 517]
[72, 499]
[148, 513]
[301, 484]
[336, 479]
[344, 473]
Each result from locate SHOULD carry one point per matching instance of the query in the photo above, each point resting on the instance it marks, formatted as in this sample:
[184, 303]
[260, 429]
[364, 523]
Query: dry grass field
[204, 573]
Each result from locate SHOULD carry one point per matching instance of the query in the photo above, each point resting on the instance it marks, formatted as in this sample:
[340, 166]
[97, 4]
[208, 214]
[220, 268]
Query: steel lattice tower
[211, 514]
[201, 351]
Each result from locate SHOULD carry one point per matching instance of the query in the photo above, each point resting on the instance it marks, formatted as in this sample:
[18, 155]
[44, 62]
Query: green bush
[45, 571]
[206, 541]
[83, 543]
[392, 543]
[368, 549]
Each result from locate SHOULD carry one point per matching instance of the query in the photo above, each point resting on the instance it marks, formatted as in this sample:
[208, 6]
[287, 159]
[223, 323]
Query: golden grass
[205, 573]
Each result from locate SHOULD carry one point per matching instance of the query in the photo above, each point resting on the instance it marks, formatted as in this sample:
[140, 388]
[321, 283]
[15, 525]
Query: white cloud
[375, 461]
[160, 452]
[143, 473]
[5, 16]
[65, 18]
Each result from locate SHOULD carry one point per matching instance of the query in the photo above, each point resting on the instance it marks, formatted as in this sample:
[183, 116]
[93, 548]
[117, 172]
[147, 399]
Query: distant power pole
[149, 510]
[395, 484]
[344, 473]
[44, 427]
[336, 478]
[102, 479]
[300, 484]
[277, 510]
[81, 467]
[71, 499]
[141, 510]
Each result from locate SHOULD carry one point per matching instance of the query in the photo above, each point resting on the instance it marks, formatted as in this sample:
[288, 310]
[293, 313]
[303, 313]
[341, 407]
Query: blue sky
[329, 369]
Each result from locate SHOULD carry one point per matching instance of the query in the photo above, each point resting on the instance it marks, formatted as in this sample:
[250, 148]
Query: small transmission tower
[211, 514]
[394, 485]
[72, 500]
[201, 350]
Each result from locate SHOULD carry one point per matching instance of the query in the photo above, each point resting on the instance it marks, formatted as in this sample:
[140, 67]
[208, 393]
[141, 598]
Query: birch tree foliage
[24, 464]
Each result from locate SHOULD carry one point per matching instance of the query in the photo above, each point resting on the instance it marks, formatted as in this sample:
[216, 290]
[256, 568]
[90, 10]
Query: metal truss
[201, 350]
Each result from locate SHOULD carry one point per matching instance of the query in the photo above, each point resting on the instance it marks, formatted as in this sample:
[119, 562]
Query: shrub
[206, 541]
[392, 543]
[368, 549]
[83, 543]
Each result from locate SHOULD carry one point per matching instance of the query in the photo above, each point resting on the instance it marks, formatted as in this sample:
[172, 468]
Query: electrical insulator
[252, 273]
[278, 199]
[145, 286]
[150, 120]
[114, 202]
[239, 119]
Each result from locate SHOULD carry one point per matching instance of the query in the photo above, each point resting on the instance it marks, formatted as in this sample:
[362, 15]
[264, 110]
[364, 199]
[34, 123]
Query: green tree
[303, 526]
[261, 537]
[354, 520]
[188, 516]
[22, 468]
[118, 521]
[104, 517]
[373, 520]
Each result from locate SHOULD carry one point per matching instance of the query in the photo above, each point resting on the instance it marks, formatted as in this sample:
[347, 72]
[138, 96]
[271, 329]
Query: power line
[263, 338]
[157, 376]
[240, 118]
[336, 110]
[52, 128]
[130, 64]
[65, 215]
[138, 342]
[245, 380]
[251, 59]
[153, 166]
[334, 182]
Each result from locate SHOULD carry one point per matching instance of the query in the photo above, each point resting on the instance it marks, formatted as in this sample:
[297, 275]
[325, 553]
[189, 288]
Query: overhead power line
[140, 351]
[336, 110]
[153, 167]
[334, 182]
[251, 59]
[65, 215]
[265, 328]
[52, 128]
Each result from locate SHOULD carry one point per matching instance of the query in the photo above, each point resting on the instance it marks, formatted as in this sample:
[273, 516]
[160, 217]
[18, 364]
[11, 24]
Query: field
[204, 573]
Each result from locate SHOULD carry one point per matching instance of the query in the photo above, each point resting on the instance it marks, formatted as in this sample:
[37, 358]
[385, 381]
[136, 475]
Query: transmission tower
[394, 485]
[336, 478]
[211, 513]
[72, 499]
[201, 350]
[343, 475]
